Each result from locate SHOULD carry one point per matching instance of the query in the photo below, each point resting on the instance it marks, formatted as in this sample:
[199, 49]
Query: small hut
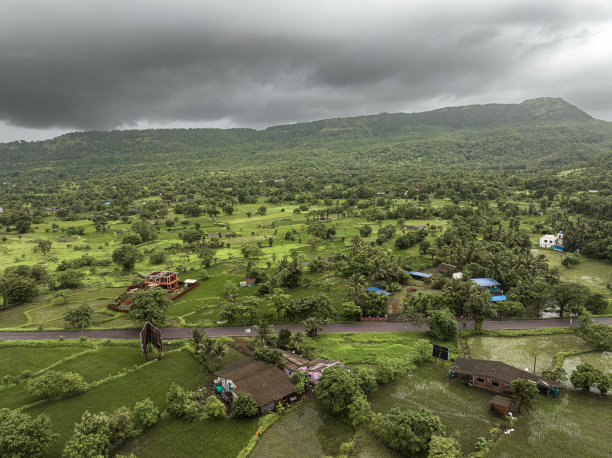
[501, 404]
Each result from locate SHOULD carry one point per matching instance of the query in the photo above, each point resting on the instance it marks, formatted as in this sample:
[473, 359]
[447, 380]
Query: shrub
[444, 447]
[245, 406]
[586, 376]
[337, 388]
[214, 408]
[442, 325]
[350, 311]
[301, 379]
[407, 431]
[53, 383]
[22, 436]
[269, 355]
[181, 403]
[366, 377]
[145, 413]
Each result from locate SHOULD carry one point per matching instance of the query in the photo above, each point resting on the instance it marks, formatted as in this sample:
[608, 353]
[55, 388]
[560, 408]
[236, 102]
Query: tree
[586, 376]
[210, 352]
[350, 311]
[213, 409]
[96, 434]
[63, 294]
[407, 431]
[337, 388]
[22, 436]
[525, 392]
[301, 379]
[284, 337]
[80, 316]
[53, 383]
[44, 245]
[442, 325]
[479, 307]
[245, 405]
[126, 256]
[265, 334]
[182, 404]
[598, 336]
[555, 375]
[149, 305]
[570, 297]
[262, 210]
[365, 231]
[207, 255]
[444, 447]
[192, 236]
[145, 230]
[146, 414]
[23, 224]
[596, 303]
[269, 355]
[366, 377]
[16, 290]
[359, 411]
[313, 325]
[69, 279]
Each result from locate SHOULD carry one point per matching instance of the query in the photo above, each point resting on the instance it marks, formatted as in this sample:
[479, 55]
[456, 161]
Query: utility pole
[534, 363]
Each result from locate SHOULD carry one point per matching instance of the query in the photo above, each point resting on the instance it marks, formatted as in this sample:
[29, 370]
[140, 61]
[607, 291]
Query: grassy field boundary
[560, 357]
[122, 373]
[263, 424]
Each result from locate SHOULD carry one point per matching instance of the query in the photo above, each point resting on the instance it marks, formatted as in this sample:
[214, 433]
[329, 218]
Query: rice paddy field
[576, 424]
[464, 411]
[134, 379]
[307, 430]
[522, 351]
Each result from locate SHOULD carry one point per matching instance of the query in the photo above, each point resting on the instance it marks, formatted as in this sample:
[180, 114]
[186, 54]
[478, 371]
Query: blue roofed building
[418, 275]
[378, 291]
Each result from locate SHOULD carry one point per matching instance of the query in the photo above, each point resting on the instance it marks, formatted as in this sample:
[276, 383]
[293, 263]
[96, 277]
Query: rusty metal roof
[496, 369]
[265, 382]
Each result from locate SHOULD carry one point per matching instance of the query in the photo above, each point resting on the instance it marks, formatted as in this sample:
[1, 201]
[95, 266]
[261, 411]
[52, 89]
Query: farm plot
[521, 352]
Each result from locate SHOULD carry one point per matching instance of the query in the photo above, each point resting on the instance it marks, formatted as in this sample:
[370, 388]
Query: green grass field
[307, 430]
[354, 348]
[14, 360]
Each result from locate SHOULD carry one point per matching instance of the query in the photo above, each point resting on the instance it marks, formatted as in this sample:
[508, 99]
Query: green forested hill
[532, 134]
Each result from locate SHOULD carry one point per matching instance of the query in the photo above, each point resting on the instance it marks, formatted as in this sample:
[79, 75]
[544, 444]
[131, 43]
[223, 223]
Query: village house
[247, 282]
[551, 241]
[314, 368]
[268, 384]
[496, 376]
[162, 278]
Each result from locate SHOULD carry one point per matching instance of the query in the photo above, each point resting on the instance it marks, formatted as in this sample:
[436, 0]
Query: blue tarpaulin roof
[485, 282]
[418, 274]
[378, 290]
[498, 298]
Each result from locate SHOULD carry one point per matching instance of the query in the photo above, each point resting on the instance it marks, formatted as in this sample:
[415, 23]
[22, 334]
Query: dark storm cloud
[97, 65]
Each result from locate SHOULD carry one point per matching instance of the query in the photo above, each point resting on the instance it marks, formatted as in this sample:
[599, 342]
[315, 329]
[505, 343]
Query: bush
[69, 279]
[22, 436]
[337, 388]
[442, 325]
[245, 406]
[214, 408]
[586, 376]
[269, 355]
[53, 383]
[444, 447]
[181, 403]
[350, 311]
[596, 303]
[366, 377]
[407, 431]
[301, 379]
[145, 413]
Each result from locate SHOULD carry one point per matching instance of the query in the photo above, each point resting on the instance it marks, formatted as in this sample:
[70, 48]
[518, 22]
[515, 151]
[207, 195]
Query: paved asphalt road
[372, 326]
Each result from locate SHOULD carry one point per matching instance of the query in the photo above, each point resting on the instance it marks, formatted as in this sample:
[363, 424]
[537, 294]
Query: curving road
[241, 331]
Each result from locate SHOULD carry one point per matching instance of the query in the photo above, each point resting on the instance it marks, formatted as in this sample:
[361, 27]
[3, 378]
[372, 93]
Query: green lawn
[308, 430]
[521, 351]
[464, 411]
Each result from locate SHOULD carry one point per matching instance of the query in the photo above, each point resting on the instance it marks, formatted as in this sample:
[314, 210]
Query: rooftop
[485, 282]
[265, 382]
[496, 369]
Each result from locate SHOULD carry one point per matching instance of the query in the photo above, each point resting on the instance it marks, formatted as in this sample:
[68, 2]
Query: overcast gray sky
[70, 65]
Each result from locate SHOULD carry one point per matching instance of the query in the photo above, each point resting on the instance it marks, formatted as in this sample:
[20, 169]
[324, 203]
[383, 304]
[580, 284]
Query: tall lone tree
[149, 305]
